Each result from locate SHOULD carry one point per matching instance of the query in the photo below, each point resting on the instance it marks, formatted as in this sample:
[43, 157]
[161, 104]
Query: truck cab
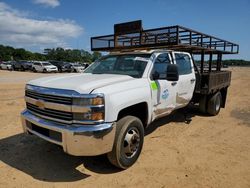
[162, 94]
[106, 109]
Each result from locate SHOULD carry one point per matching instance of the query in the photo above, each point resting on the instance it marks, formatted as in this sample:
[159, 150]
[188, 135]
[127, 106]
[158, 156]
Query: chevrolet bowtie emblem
[40, 104]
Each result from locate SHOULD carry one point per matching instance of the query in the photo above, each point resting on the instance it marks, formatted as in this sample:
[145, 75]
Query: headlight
[92, 106]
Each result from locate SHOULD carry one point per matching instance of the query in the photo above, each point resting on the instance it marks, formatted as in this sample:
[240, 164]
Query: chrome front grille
[56, 114]
[57, 105]
[49, 98]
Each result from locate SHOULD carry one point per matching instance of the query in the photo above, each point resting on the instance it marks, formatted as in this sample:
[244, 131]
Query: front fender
[122, 95]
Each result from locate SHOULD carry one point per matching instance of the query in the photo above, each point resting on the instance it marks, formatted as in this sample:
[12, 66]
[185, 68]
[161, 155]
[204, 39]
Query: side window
[184, 63]
[160, 65]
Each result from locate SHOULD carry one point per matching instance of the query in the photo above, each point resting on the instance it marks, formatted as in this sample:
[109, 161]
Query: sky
[38, 24]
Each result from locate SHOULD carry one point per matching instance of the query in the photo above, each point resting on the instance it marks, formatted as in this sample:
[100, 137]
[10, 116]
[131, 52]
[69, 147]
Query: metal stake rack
[131, 36]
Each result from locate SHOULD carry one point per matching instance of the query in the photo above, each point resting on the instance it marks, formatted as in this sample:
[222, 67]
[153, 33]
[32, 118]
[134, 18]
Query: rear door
[186, 82]
[163, 91]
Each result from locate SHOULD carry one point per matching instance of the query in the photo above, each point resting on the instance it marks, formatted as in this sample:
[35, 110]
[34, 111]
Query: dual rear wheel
[211, 105]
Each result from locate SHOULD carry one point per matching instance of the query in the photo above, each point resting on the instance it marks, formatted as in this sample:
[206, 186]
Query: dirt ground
[208, 152]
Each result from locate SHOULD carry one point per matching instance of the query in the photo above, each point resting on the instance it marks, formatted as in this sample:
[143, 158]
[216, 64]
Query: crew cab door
[163, 91]
[186, 83]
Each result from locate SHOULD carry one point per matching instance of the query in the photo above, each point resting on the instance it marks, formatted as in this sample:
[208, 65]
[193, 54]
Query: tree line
[236, 62]
[229, 62]
[8, 53]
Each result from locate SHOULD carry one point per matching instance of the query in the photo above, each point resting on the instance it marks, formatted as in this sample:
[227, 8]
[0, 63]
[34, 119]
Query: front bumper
[52, 70]
[78, 140]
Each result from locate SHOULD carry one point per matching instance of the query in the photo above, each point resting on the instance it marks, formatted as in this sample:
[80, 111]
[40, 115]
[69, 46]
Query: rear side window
[184, 63]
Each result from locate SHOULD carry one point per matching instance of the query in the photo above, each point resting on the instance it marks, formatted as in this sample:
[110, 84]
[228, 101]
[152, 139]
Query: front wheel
[128, 142]
[214, 104]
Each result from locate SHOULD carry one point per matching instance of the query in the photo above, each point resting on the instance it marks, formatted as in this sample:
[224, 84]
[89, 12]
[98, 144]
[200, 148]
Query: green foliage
[236, 62]
[71, 55]
[96, 55]
[8, 53]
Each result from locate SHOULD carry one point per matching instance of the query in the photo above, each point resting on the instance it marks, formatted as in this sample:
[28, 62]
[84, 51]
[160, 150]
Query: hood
[82, 83]
[80, 67]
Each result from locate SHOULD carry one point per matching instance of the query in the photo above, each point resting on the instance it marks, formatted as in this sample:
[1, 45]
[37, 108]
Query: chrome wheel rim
[131, 142]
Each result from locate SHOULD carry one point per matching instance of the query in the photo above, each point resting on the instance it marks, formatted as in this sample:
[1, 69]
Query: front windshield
[46, 64]
[129, 64]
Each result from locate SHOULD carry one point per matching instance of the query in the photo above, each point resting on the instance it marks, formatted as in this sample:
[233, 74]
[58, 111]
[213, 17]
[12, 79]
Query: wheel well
[139, 110]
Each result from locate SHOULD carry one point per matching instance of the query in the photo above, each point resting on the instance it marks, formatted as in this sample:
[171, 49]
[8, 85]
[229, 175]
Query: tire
[44, 70]
[129, 132]
[22, 68]
[34, 70]
[214, 104]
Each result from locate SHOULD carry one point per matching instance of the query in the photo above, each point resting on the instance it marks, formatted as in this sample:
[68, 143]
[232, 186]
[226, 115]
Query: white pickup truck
[106, 109]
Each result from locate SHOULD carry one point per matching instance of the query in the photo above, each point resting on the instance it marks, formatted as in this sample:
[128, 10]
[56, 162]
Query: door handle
[173, 83]
[192, 80]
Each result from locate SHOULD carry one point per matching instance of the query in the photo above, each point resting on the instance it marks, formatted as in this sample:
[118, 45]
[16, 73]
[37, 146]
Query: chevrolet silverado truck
[106, 109]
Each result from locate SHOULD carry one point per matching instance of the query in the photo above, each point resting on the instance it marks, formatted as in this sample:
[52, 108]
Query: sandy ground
[208, 152]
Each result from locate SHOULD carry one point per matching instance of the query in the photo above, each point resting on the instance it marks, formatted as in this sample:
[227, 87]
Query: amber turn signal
[96, 116]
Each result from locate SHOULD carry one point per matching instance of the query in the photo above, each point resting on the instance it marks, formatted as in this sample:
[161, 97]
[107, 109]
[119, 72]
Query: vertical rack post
[219, 59]
[202, 61]
[190, 38]
[140, 38]
[210, 61]
[177, 34]
[115, 40]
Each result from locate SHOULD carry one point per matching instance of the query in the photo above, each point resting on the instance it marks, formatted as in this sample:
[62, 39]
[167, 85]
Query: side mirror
[172, 73]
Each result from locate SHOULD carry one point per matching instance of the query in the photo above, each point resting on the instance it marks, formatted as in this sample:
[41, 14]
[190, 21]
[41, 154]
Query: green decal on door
[154, 85]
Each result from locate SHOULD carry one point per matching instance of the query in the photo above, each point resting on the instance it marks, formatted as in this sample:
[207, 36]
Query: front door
[163, 91]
